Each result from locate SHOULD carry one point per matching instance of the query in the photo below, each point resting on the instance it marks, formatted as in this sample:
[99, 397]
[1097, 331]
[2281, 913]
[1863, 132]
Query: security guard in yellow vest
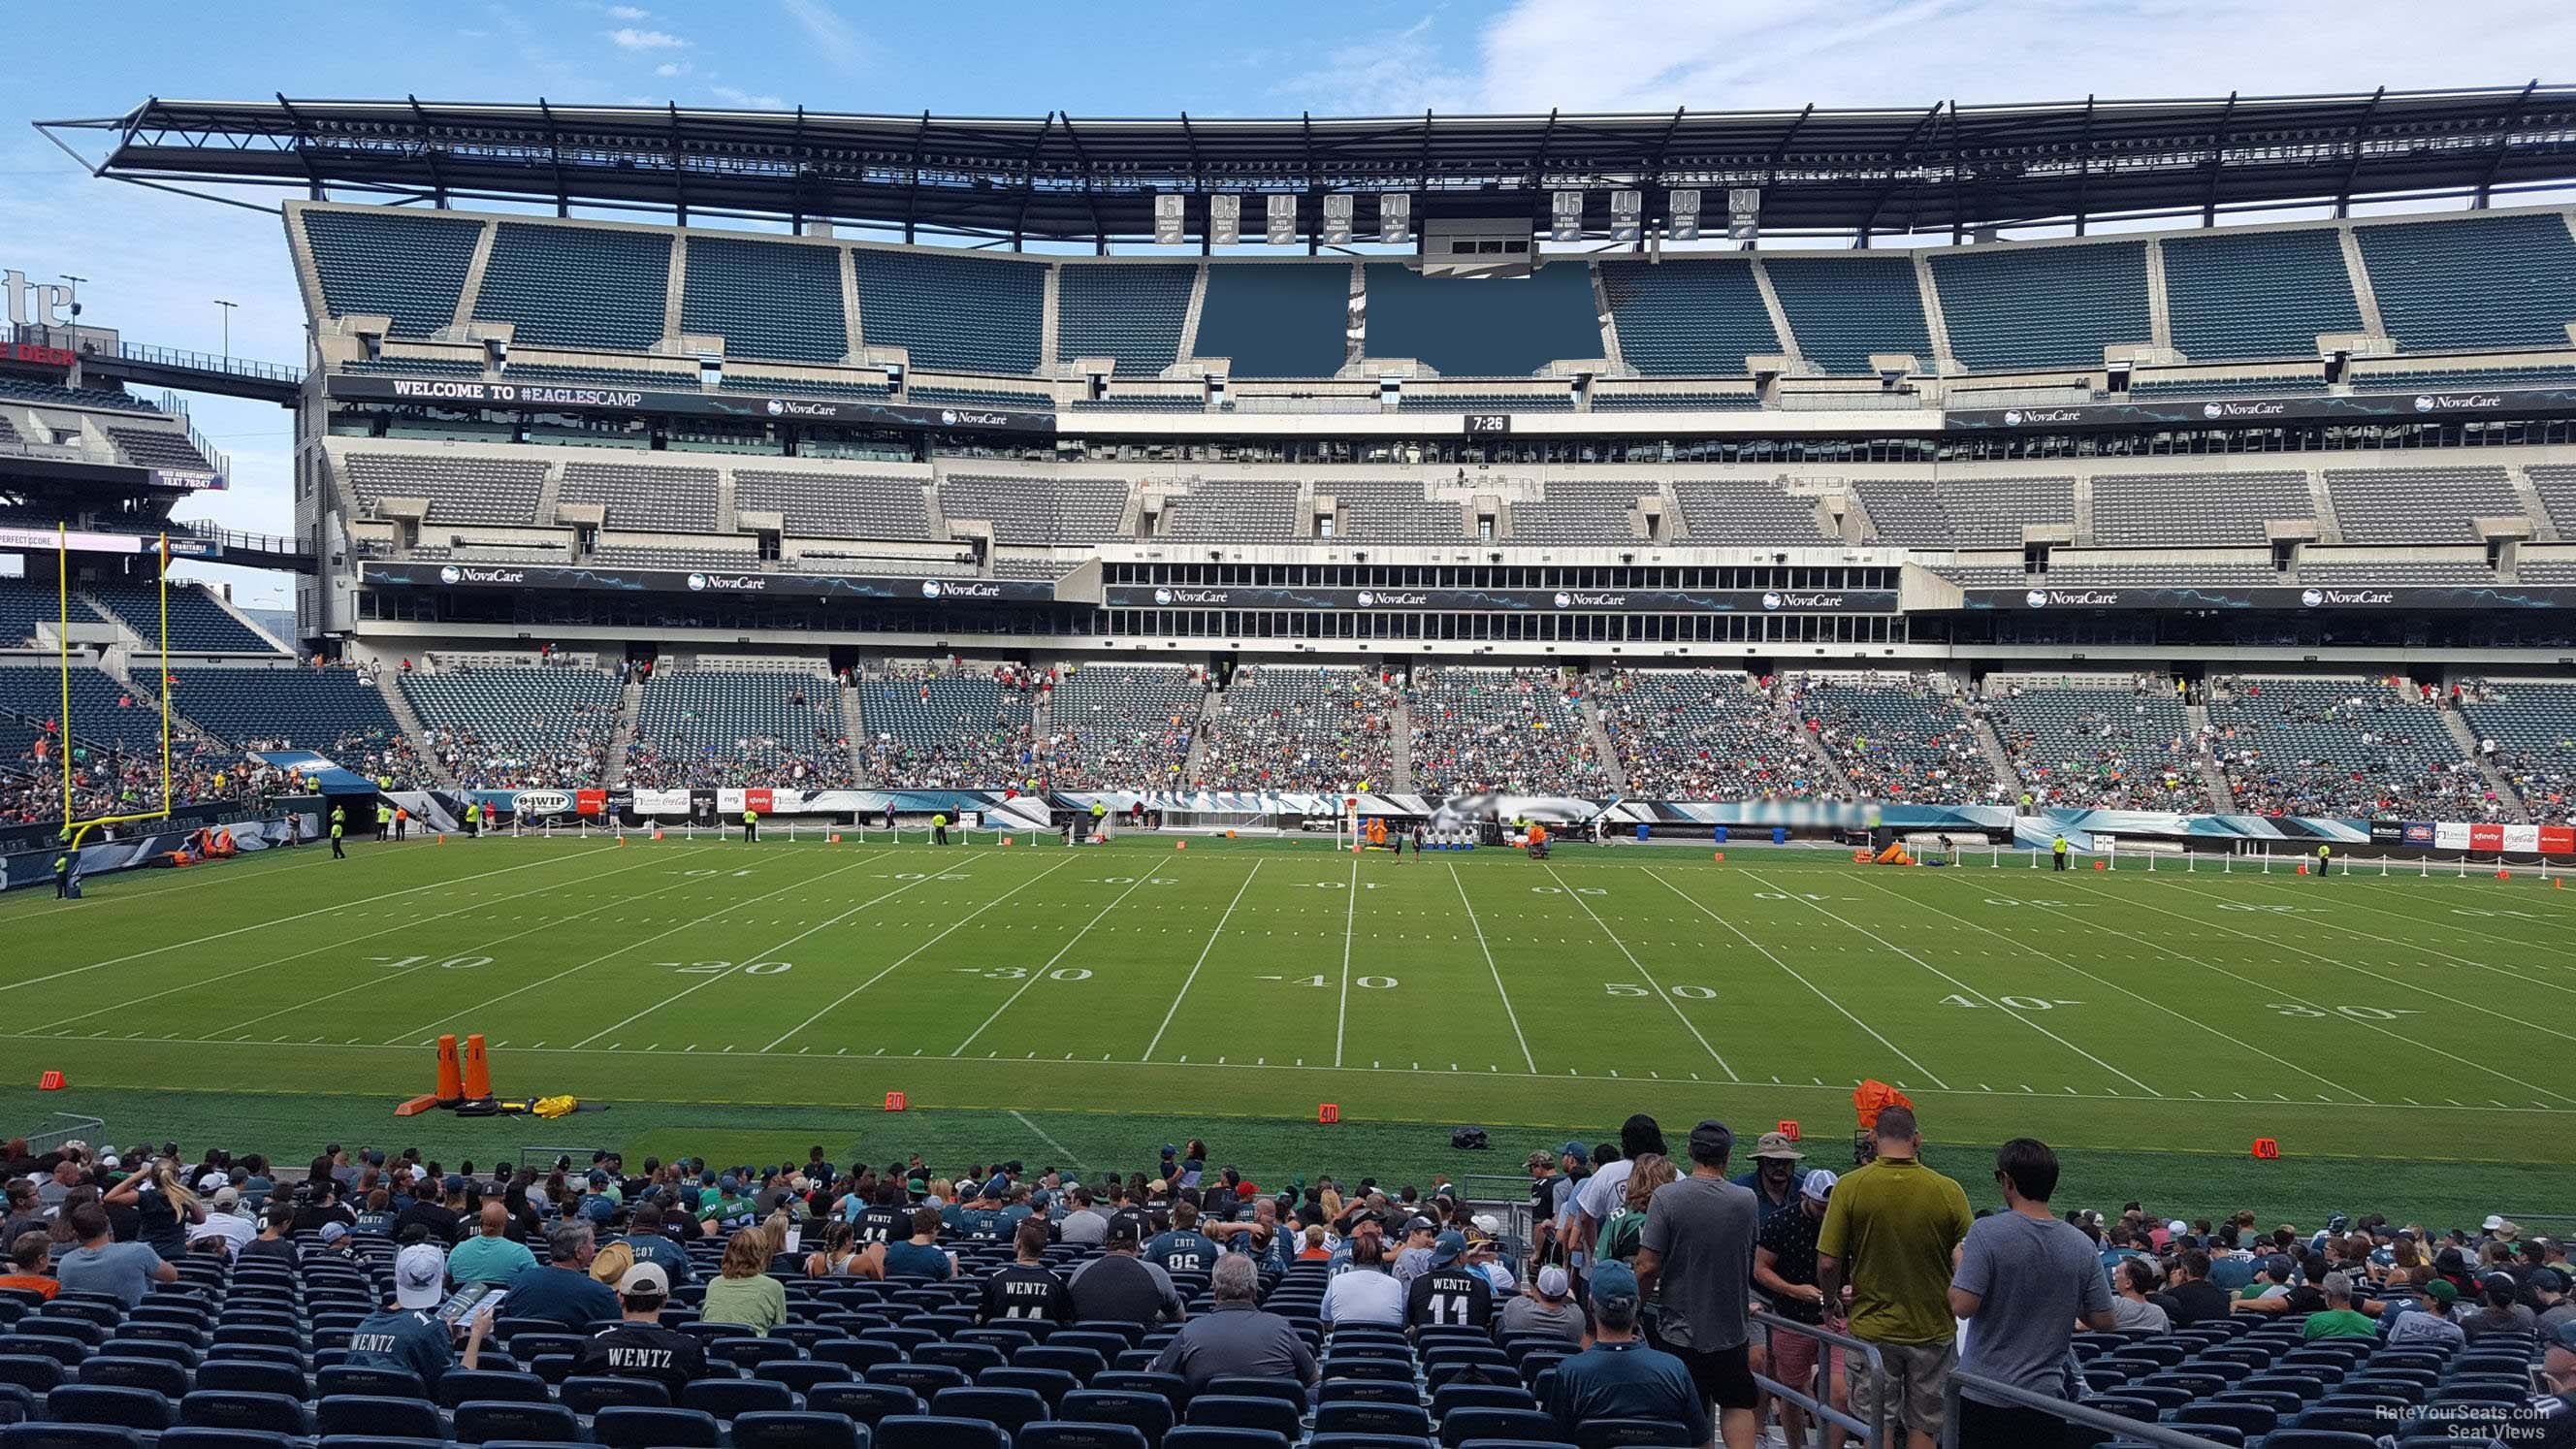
[2057, 850]
[750, 826]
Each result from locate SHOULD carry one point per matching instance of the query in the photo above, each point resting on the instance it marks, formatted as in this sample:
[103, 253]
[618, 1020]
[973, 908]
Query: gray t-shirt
[1087, 1226]
[2035, 1277]
[119, 1270]
[1703, 1229]
[1530, 1314]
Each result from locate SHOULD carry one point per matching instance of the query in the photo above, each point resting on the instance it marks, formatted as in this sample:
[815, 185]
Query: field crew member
[939, 828]
[1100, 819]
[473, 817]
[336, 827]
[402, 823]
[384, 818]
[750, 825]
[2324, 854]
[2057, 851]
[63, 874]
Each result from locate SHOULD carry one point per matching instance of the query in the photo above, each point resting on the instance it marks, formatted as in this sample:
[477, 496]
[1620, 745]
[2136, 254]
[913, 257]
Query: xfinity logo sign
[2318, 598]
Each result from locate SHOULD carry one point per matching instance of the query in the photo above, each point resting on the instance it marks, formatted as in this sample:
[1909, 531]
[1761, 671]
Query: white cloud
[670, 68]
[745, 100]
[827, 33]
[1396, 74]
[630, 38]
[627, 12]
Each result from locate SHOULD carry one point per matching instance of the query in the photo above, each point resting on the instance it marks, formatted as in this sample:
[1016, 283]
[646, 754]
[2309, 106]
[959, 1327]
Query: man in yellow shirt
[1889, 1232]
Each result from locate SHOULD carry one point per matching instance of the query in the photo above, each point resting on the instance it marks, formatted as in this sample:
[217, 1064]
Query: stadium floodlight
[1681, 214]
[1225, 219]
[1394, 218]
[228, 326]
[1565, 216]
[1337, 219]
[1283, 220]
[1626, 210]
[1170, 211]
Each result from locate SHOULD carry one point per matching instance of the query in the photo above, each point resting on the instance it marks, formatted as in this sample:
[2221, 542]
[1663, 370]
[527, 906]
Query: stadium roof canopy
[1944, 167]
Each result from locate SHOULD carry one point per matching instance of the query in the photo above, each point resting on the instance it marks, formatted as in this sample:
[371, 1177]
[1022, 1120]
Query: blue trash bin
[1641, 832]
[1779, 835]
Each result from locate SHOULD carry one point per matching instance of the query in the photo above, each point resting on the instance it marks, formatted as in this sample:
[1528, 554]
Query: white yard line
[1820, 992]
[1039, 974]
[1061, 1150]
[1350, 923]
[613, 952]
[1837, 1089]
[195, 941]
[2394, 980]
[2451, 926]
[374, 982]
[1526, 1059]
[892, 966]
[765, 953]
[1963, 986]
[2247, 1047]
[2283, 994]
[1651, 983]
[130, 1001]
[1204, 951]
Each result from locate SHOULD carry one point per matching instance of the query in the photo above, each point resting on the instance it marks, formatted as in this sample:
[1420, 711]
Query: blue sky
[155, 262]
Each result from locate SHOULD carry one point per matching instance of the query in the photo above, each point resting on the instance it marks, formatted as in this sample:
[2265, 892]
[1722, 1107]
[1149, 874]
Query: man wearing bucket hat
[1775, 1176]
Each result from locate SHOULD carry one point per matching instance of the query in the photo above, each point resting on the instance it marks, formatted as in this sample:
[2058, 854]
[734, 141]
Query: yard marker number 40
[2017, 1003]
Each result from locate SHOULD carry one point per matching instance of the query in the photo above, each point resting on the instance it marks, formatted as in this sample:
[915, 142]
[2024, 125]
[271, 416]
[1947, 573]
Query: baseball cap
[1551, 1282]
[226, 1196]
[1446, 1248]
[1122, 1230]
[334, 1232]
[645, 1280]
[1575, 1150]
[2442, 1291]
[1817, 1184]
[2279, 1266]
[1614, 1282]
[2335, 1222]
[2177, 1226]
[453, 1182]
[1777, 1144]
[1711, 1141]
[1419, 1224]
[420, 1276]
[2548, 1280]
[2494, 1222]
[211, 1181]
[2566, 1337]
[2499, 1283]
[728, 1184]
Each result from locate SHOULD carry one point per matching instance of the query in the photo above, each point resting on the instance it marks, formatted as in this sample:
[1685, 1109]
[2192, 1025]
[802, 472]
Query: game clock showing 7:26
[1488, 425]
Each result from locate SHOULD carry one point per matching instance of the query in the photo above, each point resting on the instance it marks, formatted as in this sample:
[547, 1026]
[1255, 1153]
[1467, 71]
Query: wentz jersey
[1451, 1297]
[1023, 1290]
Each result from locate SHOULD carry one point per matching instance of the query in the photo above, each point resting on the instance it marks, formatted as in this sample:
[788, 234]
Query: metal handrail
[2132, 1429]
[209, 362]
[1873, 1433]
[54, 1137]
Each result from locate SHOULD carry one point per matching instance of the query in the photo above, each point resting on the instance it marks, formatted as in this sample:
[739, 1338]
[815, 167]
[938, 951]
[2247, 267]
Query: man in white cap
[1547, 1309]
[225, 1223]
[408, 1335]
[1784, 1266]
[638, 1346]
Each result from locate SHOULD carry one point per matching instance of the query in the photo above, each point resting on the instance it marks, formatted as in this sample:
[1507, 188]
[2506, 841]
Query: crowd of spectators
[2089, 744]
[1301, 728]
[1113, 727]
[1705, 734]
[1522, 731]
[1631, 1298]
[923, 735]
[2342, 747]
[1908, 738]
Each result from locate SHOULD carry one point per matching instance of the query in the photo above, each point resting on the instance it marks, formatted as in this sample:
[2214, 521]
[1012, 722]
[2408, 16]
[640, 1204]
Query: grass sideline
[2399, 1030]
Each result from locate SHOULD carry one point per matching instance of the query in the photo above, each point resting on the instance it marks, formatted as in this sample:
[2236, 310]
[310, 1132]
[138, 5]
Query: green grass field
[2410, 1030]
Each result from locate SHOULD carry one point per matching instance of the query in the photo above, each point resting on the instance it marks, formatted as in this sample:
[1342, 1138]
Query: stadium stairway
[2213, 780]
[630, 711]
[1826, 765]
[1603, 750]
[1400, 741]
[1997, 755]
[413, 730]
[1208, 704]
[2467, 739]
[854, 728]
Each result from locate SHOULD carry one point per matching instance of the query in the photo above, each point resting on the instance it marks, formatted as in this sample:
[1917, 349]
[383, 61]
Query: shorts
[1917, 1375]
[1793, 1361]
[1724, 1376]
[1995, 1426]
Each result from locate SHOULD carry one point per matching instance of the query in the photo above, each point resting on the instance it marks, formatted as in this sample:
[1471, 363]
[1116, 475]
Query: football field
[2361, 1014]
